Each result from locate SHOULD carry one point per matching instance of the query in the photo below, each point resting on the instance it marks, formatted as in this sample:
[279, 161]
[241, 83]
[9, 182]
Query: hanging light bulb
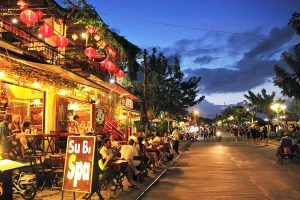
[74, 36]
[14, 20]
[97, 37]
[83, 35]
[21, 4]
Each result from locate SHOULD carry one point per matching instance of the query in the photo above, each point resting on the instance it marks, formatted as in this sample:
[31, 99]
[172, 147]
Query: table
[46, 137]
[6, 185]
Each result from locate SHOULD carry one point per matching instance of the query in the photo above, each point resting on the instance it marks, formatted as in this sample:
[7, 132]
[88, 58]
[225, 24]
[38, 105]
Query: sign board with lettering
[127, 103]
[80, 164]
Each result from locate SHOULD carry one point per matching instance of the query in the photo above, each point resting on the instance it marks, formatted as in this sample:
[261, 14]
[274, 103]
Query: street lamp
[278, 108]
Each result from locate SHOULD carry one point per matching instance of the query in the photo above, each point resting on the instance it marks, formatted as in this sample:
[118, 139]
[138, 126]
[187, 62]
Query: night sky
[232, 44]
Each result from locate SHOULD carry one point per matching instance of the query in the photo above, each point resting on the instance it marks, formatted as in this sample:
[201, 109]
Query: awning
[55, 69]
[92, 81]
[115, 88]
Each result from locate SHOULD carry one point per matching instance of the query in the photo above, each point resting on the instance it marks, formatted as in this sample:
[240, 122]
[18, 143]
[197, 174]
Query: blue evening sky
[232, 44]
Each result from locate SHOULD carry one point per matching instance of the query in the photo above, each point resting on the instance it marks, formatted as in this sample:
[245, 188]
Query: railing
[71, 57]
[114, 127]
[34, 46]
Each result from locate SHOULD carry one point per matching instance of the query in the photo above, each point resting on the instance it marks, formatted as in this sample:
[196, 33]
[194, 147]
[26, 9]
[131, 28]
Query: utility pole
[144, 109]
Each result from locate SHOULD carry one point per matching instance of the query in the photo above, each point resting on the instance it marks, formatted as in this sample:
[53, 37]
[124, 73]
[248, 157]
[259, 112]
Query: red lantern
[28, 17]
[91, 30]
[39, 14]
[61, 41]
[120, 73]
[111, 52]
[90, 52]
[21, 4]
[104, 64]
[111, 67]
[46, 31]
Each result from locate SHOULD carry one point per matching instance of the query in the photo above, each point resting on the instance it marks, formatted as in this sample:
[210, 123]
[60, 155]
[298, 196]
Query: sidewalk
[127, 194]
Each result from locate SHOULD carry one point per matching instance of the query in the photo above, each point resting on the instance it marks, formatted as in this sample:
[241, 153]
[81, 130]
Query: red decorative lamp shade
[39, 14]
[120, 73]
[91, 30]
[111, 52]
[61, 41]
[111, 67]
[46, 30]
[28, 17]
[90, 52]
[104, 63]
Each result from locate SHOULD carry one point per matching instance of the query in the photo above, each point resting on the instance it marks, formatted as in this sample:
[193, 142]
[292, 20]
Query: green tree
[260, 102]
[289, 80]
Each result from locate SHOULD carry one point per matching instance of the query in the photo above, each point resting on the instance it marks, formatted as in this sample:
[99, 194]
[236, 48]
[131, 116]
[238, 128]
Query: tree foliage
[289, 80]
[260, 102]
[167, 91]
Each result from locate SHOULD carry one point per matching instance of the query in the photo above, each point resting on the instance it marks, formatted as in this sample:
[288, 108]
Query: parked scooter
[25, 185]
[218, 136]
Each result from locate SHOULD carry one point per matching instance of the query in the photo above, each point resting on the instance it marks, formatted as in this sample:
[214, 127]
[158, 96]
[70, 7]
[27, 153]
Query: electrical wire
[181, 26]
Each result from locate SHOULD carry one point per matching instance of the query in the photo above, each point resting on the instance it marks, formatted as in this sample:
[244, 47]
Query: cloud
[204, 59]
[254, 68]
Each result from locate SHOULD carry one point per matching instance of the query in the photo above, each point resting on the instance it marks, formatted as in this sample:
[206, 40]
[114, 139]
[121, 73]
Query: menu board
[79, 164]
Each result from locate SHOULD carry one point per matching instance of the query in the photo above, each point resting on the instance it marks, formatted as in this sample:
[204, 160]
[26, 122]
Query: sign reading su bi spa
[79, 164]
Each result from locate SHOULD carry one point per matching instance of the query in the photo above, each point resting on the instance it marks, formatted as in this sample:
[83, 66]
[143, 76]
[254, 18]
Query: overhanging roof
[93, 81]
[54, 69]
[115, 88]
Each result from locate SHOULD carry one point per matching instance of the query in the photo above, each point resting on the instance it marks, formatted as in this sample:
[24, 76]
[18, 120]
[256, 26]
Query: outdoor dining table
[40, 140]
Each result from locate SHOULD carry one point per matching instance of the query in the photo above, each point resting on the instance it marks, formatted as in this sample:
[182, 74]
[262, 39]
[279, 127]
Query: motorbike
[25, 185]
[218, 136]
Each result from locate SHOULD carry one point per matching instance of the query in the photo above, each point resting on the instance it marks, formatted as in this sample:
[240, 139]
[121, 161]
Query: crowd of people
[12, 136]
[142, 153]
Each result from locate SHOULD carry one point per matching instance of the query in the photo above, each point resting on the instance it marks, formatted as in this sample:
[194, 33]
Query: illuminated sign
[79, 164]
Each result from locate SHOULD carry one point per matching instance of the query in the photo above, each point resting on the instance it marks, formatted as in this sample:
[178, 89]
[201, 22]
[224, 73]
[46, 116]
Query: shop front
[26, 102]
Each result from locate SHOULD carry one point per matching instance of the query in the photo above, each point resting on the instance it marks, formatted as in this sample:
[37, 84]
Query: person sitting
[19, 135]
[127, 153]
[107, 174]
[8, 141]
[286, 141]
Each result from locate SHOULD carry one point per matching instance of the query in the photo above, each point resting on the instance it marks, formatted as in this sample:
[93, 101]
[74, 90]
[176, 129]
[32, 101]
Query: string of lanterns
[105, 57]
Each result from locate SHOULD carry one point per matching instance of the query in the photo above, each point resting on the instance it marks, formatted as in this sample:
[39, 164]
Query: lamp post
[278, 108]
[195, 113]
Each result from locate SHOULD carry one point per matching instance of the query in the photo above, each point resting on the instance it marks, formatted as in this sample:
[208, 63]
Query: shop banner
[79, 164]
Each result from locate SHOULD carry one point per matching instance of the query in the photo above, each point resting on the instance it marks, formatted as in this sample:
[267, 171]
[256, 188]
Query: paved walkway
[225, 170]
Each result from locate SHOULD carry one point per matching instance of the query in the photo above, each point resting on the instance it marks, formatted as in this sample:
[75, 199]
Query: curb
[163, 172]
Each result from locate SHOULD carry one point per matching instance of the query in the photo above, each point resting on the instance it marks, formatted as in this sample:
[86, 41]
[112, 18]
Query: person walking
[175, 135]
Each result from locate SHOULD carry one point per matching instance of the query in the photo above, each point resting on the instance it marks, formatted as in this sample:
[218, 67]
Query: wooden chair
[39, 168]
[57, 167]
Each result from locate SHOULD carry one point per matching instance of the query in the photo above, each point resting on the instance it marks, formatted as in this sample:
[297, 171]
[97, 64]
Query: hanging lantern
[104, 64]
[111, 52]
[97, 37]
[74, 36]
[111, 67]
[90, 52]
[61, 41]
[120, 73]
[28, 17]
[21, 4]
[91, 30]
[46, 31]
[39, 14]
